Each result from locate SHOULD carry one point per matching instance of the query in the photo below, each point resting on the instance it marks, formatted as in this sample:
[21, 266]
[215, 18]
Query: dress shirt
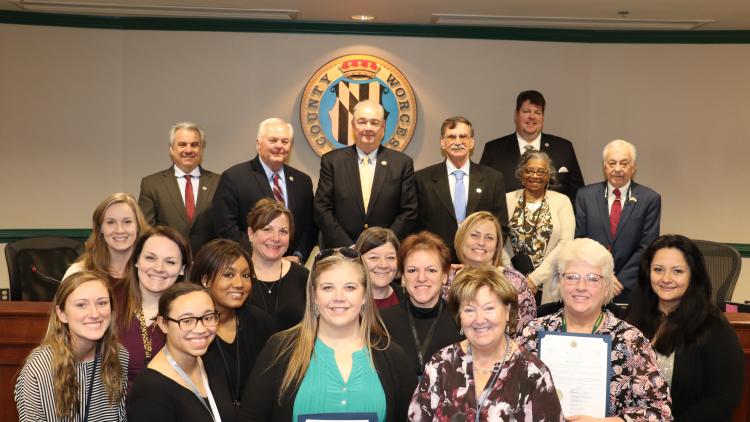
[282, 180]
[452, 179]
[536, 143]
[195, 177]
[373, 161]
[611, 195]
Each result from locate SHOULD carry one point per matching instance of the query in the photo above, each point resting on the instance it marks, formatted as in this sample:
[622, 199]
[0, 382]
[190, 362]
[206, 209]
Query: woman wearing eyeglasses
[338, 361]
[540, 221]
[585, 271]
[175, 386]
[278, 284]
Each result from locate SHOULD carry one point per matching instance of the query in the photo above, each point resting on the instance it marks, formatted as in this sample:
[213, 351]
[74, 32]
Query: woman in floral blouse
[486, 377]
[478, 243]
[584, 269]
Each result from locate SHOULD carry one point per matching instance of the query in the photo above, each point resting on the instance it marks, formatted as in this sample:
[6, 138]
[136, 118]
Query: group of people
[193, 303]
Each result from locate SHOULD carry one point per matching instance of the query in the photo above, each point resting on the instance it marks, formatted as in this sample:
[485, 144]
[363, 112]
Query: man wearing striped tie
[267, 175]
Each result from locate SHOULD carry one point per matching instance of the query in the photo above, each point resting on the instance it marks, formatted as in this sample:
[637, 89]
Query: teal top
[323, 390]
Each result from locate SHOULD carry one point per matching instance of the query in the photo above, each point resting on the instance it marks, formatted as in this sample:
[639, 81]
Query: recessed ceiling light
[363, 18]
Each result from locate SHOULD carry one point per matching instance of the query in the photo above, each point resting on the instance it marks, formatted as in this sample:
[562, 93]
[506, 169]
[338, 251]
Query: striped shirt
[34, 392]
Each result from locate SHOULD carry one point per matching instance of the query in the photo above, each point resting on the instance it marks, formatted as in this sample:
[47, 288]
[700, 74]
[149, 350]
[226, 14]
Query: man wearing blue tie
[451, 190]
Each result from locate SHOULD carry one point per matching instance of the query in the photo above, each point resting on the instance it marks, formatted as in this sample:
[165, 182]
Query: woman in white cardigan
[540, 220]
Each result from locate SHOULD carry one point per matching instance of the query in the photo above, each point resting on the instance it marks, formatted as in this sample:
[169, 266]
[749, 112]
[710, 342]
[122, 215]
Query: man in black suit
[242, 185]
[481, 187]
[503, 154]
[365, 185]
[181, 196]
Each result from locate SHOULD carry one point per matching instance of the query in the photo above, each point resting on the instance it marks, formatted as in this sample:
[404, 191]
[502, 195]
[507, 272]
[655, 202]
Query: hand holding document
[580, 366]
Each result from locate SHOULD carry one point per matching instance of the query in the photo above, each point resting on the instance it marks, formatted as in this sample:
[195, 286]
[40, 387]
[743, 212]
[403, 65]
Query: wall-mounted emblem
[329, 98]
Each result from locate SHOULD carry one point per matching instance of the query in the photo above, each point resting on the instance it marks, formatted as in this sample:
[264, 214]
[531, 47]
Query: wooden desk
[23, 325]
[741, 324]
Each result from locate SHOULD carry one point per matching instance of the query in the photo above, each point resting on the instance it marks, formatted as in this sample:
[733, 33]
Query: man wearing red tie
[620, 214]
[267, 175]
[181, 196]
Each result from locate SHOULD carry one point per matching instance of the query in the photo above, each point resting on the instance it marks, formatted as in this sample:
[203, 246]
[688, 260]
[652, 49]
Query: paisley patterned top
[637, 392]
[530, 229]
[523, 390]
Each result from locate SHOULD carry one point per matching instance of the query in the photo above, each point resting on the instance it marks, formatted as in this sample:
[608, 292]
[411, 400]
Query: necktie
[615, 212]
[277, 192]
[189, 198]
[365, 180]
[459, 196]
[528, 148]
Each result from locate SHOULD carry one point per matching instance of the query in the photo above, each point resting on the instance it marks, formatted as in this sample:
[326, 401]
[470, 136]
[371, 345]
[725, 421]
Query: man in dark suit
[480, 187]
[620, 214]
[242, 185]
[503, 154]
[181, 195]
[365, 185]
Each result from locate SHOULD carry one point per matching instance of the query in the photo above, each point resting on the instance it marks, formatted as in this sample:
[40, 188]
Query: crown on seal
[359, 69]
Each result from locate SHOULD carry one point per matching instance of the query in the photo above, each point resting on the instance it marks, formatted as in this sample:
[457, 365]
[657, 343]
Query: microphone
[43, 275]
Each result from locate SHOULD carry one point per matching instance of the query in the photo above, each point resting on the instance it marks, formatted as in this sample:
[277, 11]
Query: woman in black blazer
[697, 350]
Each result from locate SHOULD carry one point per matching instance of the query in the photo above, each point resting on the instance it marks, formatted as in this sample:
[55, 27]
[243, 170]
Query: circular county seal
[327, 104]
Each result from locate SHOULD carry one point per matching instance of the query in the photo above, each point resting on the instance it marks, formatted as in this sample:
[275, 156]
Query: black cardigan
[707, 377]
[260, 402]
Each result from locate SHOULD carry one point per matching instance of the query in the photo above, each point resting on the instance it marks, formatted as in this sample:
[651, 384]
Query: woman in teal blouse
[338, 360]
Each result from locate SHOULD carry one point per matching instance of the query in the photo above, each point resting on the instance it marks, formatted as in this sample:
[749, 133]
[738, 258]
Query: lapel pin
[204, 188]
[546, 144]
[384, 163]
[479, 190]
[633, 199]
[291, 178]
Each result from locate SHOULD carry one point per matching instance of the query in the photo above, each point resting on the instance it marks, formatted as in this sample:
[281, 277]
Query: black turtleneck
[397, 322]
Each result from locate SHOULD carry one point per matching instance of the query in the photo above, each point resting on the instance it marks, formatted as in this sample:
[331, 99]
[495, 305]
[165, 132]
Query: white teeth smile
[481, 329]
[199, 341]
[235, 295]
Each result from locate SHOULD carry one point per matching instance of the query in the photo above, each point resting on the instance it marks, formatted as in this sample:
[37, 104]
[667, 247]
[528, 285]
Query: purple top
[131, 339]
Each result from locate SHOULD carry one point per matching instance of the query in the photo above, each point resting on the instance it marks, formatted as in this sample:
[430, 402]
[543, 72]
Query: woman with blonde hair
[479, 243]
[341, 348]
[117, 223]
[79, 370]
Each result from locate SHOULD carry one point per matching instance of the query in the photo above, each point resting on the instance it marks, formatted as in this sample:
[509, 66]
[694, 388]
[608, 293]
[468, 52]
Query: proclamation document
[580, 366]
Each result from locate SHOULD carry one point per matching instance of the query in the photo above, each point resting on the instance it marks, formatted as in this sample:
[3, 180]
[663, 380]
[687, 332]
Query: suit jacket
[503, 155]
[638, 227]
[339, 208]
[162, 204]
[436, 212]
[242, 185]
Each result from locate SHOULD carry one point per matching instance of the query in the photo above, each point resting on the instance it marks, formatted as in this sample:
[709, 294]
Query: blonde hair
[66, 384]
[467, 283]
[468, 225]
[299, 341]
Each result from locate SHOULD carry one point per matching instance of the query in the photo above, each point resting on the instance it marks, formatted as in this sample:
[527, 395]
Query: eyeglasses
[592, 279]
[538, 172]
[211, 319]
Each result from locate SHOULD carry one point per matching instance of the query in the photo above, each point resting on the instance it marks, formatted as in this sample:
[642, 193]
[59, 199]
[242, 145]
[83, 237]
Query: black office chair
[36, 265]
[723, 264]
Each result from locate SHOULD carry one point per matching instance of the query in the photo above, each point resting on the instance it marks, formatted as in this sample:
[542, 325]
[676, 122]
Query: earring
[362, 312]
[461, 331]
[315, 312]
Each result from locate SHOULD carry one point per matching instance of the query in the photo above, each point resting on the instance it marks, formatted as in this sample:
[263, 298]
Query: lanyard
[493, 378]
[213, 410]
[236, 393]
[593, 330]
[91, 387]
[422, 347]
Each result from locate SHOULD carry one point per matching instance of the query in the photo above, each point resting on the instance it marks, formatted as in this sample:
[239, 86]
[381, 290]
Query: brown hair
[467, 283]
[215, 257]
[452, 122]
[267, 210]
[375, 237]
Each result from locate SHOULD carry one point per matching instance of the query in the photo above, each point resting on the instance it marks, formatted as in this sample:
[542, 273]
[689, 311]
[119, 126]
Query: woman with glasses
[278, 284]
[175, 387]
[339, 361]
[696, 348]
[422, 324]
[78, 373]
[161, 257]
[225, 269]
[585, 271]
[379, 249]
[540, 221]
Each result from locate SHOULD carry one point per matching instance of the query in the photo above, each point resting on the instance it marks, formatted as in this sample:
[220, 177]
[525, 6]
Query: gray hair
[533, 154]
[186, 126]
[619, 143]
[592, 253]
[371, 103]
[274, 121]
